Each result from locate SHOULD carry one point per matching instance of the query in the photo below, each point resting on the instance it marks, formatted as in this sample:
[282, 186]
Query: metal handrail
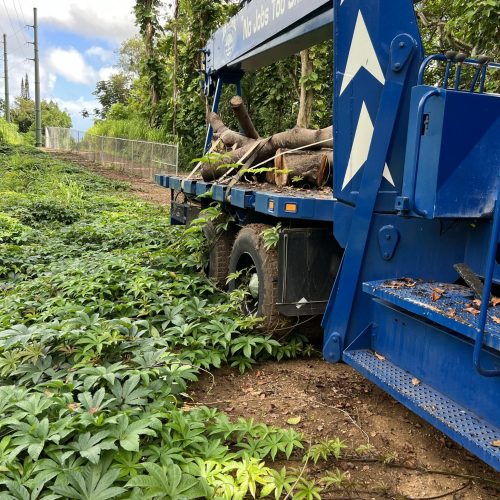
[485, 299]
[469, 61]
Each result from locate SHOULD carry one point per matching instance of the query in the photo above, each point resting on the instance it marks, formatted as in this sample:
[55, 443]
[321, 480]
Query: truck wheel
[259, 272]
[219, 252]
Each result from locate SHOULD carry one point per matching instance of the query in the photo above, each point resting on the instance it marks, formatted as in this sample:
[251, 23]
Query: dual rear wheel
[257, 268]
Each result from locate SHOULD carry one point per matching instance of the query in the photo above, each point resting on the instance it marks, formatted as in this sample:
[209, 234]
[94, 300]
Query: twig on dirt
[300, 474]
[420, 468]
[348, 415]
[208, 403]
[442, 495]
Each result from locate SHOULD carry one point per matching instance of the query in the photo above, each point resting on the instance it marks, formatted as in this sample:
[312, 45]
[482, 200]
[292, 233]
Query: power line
[11, 23]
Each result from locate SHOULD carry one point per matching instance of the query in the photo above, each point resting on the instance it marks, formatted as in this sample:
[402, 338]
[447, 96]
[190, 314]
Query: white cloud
[100, 53]
[19, 68]
[106, 72]
[111, 20]
[71, 64]
[76, 106]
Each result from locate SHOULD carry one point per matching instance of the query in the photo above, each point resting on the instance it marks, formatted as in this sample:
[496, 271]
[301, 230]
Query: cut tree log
[290, 139]
[302, 167]
[241, 113]
[229, 137]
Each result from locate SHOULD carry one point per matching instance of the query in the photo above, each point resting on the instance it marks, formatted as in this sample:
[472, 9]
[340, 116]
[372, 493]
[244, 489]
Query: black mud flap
[309, 259]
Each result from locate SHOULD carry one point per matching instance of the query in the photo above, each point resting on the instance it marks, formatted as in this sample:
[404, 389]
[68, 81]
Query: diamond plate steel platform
[445, 304]
[455, 421]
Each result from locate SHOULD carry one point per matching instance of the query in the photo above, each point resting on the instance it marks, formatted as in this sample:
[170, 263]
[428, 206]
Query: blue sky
[78, 44]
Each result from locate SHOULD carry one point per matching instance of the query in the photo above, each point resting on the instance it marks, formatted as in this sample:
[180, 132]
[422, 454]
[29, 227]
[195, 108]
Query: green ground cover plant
[105, 318]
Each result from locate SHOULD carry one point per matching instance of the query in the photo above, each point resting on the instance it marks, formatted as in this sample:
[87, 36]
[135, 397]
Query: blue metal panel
[257, 22]
[242, 198]
[161, 180]
[202, 187]
[362, 39]
[189, 186]
[339, 309]
[219, 192]
[427, 249]
[441, 359]
[175, 183]
[449, 310]
[453, 154]
[308, 33]
[458, 422]
[308, 208]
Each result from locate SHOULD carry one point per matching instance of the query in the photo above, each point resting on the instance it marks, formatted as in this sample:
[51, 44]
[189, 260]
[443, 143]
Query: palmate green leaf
[128, 433]
[90, 446]
[92, 483]
[127, 393]
[170, 483]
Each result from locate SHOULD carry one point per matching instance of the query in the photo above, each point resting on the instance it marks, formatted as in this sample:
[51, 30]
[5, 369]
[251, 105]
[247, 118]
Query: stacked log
[311, 165]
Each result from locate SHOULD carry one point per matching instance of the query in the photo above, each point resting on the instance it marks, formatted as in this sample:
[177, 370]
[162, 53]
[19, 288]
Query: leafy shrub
[9, 134]
[104, 321]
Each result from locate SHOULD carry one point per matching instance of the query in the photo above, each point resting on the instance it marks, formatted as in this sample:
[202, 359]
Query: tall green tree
[112, 91]
[23, 114]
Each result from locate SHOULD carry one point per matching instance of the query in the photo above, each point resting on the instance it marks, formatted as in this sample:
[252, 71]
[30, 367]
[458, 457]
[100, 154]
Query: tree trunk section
[306, 93]
[302, 167]
[229, 137]
[241, 113]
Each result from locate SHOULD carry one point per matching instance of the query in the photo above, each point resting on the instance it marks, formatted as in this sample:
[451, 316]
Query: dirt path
[142, 188]
[335, 401]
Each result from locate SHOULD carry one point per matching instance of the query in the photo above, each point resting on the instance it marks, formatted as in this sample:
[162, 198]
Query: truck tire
[219, 252]
[249, 254]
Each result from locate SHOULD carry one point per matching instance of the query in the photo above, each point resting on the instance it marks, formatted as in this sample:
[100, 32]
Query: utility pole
[38, 106]
[6, 79]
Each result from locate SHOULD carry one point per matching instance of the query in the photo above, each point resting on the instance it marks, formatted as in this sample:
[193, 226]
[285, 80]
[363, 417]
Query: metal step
[467, 429]
[446, 304]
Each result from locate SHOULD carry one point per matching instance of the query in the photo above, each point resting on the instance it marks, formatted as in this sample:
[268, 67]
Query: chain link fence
[137, 158]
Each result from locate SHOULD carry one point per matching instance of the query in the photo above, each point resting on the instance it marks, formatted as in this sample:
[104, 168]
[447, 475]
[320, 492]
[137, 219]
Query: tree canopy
[164, 86]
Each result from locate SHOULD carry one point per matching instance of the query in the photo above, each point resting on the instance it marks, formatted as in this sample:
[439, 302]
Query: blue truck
[402, 260]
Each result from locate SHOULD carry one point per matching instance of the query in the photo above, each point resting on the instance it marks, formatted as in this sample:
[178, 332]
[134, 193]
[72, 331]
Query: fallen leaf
[496, 319]
[379, 356]
[495, 301]
[496, 443]
[415, 381]
[437, 293]
[476, 303]
[471, 310]
[293, 420]
[451, 312]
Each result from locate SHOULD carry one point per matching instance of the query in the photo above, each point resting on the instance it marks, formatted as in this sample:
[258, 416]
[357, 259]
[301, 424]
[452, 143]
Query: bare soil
[336, 401]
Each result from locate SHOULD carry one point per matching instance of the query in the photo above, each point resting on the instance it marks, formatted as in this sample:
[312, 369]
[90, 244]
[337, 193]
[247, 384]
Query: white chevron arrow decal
[361, 55]
[361, 147]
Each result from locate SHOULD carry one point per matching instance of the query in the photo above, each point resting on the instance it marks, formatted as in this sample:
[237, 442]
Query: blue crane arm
[265, 31]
